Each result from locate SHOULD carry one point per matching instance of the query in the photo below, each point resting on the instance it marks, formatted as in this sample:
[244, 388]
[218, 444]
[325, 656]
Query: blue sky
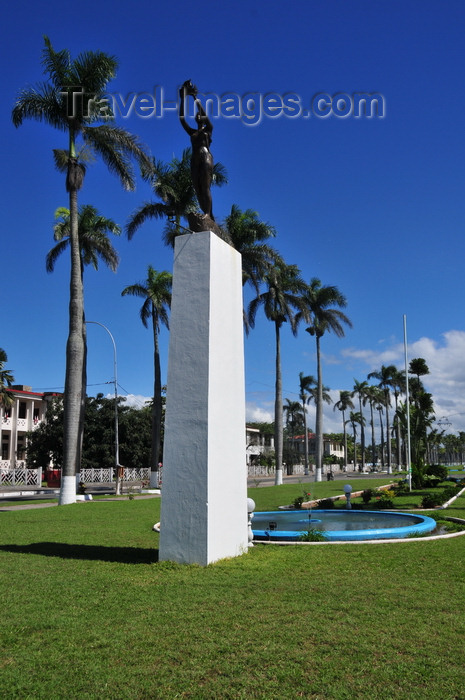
[374, 206]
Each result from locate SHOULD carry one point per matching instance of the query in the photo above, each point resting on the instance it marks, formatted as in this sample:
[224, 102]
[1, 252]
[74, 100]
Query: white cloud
[132, 400]
[446, 362]
[258, 414]
[375, 358]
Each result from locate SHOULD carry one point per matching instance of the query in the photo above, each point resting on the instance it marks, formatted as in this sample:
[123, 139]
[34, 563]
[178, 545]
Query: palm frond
[41, 103]
[93, 70]
[117, 148]
[56, 64]
[148, 210]
[54, 254]
[220, 175]
[93, 230]
[61, 159]
[157, 294]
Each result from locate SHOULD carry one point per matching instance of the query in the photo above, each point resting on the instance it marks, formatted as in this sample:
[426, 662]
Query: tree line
[281, 292]
[280, 288]
[399, 401]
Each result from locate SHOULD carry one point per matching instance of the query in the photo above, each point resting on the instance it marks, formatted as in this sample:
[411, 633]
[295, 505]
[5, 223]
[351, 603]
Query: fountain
[339, 525]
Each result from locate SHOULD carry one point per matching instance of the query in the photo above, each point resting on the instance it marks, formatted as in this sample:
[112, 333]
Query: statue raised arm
[201, 138]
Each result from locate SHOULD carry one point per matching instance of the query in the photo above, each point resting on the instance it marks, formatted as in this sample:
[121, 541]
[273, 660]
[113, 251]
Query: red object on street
[53, 477]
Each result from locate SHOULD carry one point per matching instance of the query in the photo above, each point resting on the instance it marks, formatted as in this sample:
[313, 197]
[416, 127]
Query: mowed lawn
[88, 612]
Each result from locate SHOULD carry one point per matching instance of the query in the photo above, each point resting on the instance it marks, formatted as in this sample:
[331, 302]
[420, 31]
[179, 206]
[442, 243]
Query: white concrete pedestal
[204, 489]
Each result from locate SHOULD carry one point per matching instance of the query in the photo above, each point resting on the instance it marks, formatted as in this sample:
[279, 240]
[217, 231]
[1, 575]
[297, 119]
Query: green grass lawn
[89, 612]
[271, 497]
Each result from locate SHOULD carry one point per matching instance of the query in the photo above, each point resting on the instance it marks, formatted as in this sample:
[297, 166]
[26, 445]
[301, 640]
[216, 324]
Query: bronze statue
[202, 159]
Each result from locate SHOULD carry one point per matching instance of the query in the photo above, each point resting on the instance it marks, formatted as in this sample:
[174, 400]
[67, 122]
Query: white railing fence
[20, 477]
[107, 476]
[33, 477]
[255, 470]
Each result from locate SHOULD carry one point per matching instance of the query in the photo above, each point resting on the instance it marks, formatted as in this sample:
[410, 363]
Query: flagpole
[407, 408]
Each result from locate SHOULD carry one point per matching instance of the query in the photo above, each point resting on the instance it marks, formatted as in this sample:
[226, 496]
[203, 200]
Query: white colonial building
[331, 447]
[26, 413]
[257, 443]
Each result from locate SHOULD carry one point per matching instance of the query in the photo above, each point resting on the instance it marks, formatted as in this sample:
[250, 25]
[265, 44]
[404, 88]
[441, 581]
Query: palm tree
[313, 394]
[294, 419]
[247, 234]
[418, 367]
[355, 418]
[6, 379]
[434, 440]
[324, 396]
[156, 292]
[305, 384]
[94, 244]
[318, 302]
[359, 390]
[71, 101]
[373, 397]
[385, 376]
[280, 300]
[379, 406]
[172, 184]
[398, 386]
[421, 420]
[345, 402]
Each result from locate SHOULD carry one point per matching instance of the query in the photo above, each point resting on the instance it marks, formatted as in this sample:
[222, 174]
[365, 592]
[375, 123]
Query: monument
[204, 492]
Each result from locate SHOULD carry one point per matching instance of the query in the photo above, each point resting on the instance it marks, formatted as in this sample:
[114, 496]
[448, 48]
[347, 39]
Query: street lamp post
[407, 408]
[347, 493]
[115, 381]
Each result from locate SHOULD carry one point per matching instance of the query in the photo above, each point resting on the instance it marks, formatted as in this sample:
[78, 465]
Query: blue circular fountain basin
[339, 525]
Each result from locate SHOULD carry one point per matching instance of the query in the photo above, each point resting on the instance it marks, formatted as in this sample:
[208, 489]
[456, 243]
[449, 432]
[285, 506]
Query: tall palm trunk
[388, 436]
[362, 434]
[278, 412]
[373, 441]
[83, 400]
[156, 409]
[398, 440]
[354, 429]
[305, 438]
[319, 416]
[380, 411]
[74, 349]
[345, 439]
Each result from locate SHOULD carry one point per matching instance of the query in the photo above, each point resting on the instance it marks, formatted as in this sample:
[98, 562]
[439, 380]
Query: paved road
[300, 478]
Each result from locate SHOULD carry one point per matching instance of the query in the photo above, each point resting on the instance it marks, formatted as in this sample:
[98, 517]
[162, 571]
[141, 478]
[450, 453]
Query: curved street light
[115, 381]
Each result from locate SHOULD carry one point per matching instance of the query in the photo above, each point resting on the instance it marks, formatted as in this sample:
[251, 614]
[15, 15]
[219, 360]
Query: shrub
[326, 503]
[430, 481]
[418, 476]
[401, 488]
[367, 495]
[438, 470]
[449, 492]
[432, 500]
[384, 500]
[312, 535]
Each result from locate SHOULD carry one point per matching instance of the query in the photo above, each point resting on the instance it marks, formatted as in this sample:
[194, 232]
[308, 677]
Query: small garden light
[348, 491]
[250, 510]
